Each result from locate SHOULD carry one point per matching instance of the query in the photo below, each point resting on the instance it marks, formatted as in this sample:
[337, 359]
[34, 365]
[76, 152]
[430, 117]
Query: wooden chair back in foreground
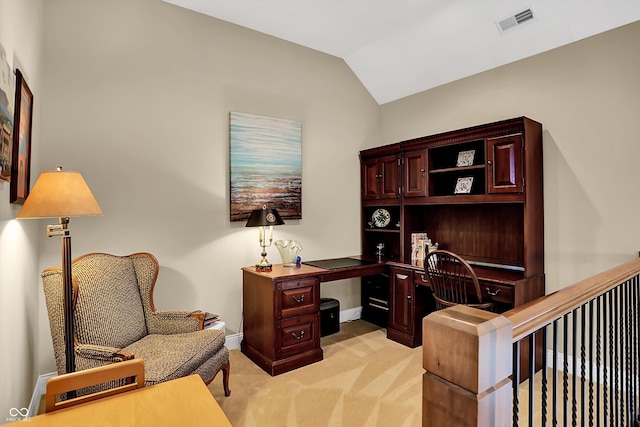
[132, 371]
[453, 281]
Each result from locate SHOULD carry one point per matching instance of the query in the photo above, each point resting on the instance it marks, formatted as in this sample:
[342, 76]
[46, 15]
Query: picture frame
[465, 158]
[21, 153]
[463, 185]
[7, 98]
[265, 165]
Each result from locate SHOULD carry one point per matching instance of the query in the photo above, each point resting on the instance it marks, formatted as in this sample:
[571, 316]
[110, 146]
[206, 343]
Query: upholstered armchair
[115, 320]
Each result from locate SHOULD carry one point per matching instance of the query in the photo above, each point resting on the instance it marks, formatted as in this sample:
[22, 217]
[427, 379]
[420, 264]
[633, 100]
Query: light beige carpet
[364, 380]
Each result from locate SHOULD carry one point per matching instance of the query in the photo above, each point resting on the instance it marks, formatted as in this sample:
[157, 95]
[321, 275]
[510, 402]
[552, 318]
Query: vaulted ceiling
[401, 47]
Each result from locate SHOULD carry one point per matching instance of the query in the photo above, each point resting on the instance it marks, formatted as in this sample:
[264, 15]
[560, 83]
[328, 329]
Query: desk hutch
[497, 223]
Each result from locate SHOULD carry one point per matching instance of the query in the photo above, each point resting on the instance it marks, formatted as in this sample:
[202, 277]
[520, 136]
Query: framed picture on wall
[21, 154]
[265, 165]
[7, 89]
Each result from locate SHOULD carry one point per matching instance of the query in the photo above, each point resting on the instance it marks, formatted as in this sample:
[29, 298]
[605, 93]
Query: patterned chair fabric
[115, 319]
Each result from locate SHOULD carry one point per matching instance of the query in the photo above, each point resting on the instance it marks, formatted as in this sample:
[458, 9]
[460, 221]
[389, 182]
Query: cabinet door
[504, 164]
[370, 178]
[389, 177]
[401, 310]
[414, 174]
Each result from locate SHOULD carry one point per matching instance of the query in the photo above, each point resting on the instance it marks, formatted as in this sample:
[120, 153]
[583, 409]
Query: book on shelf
[418, 247]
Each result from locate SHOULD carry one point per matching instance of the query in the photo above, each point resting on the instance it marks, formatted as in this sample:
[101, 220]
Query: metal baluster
[574, 368]
[543, 400]
[613, 361]
[555, 373]
[591, 333]
[516, 382]
[565, 372]
[605, 345]
[532, 371]
[608, 396]
[616, 355]
[625, 345]
[634, 347]
[583, 357]
[598, 355]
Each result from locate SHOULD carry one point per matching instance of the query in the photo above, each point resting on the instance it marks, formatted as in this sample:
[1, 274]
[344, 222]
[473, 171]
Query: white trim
[233, 341]
[39, 391]
[350, 314]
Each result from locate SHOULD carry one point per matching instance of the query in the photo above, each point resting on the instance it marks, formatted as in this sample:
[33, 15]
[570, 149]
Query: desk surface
[182, 402]
[279, 271]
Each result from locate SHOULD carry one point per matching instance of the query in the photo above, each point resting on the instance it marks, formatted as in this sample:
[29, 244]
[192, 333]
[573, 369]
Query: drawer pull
[298, 300]
[296, 336]
[493, 293]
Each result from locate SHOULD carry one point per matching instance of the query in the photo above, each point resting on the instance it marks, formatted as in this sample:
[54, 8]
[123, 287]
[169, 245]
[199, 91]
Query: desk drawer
[421, 278]
[497, 293]
[294, 336]
[297, 297]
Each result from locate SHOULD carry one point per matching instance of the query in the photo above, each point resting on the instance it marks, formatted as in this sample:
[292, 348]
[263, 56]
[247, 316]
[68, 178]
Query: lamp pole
[69, 350]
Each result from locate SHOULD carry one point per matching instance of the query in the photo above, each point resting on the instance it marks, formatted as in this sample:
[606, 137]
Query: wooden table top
[182, 402]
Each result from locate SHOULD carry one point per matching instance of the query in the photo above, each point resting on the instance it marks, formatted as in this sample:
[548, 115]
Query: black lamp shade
[264, 217]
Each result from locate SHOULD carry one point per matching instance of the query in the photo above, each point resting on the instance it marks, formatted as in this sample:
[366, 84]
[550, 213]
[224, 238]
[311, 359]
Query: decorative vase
[289, 250]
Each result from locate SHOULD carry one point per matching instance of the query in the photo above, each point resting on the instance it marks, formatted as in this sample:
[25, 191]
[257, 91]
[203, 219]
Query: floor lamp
[62, 194]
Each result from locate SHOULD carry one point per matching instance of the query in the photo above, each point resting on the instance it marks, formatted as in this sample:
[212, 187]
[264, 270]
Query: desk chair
[453, 281]
[108, 380]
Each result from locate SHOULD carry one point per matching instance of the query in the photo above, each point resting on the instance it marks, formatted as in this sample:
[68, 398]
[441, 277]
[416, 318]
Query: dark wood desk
[281, 313]
[409, 300]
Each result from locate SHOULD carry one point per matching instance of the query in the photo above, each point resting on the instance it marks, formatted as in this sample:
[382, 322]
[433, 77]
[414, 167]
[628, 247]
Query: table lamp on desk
[262, 218]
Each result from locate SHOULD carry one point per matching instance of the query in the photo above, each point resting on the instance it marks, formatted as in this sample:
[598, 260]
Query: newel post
[467, 358]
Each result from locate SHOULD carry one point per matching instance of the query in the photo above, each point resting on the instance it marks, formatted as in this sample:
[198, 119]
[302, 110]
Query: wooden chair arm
[94, 376]
[200, 315]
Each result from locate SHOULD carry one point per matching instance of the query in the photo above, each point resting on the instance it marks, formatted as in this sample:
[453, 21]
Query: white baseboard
[350, 314]
[38, 392]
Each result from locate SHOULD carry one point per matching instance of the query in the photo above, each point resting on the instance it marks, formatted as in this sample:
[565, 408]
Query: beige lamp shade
[59, 194]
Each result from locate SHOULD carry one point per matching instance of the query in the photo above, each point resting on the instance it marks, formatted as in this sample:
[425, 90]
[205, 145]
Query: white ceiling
[401, 47]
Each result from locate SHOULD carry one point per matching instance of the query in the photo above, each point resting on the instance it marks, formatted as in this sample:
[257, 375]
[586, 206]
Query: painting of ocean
[266, 165]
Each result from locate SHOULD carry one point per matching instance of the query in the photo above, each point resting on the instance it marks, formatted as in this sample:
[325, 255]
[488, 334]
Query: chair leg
[226, 368]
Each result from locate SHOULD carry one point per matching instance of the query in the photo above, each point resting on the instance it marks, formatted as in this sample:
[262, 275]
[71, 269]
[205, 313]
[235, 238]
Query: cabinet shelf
[382, 230]
[460, 169]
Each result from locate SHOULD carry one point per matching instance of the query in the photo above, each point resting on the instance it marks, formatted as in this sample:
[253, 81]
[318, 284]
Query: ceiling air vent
[517, 19]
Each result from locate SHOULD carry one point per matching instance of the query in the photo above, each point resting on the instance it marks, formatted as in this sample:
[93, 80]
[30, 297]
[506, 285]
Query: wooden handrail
[529, 317]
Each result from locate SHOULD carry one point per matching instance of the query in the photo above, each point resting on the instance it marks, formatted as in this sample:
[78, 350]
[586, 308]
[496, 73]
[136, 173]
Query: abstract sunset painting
[265, 165]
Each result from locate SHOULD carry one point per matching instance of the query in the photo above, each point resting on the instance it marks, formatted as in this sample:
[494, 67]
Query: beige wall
[137, 97]
[21, 37]
[587, 97]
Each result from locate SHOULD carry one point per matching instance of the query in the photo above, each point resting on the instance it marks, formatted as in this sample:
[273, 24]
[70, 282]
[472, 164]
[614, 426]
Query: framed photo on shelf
[463, 185]
[465, 158]
[21, 154]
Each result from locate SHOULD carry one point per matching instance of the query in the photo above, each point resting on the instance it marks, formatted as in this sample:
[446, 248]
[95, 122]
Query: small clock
[381, 218]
